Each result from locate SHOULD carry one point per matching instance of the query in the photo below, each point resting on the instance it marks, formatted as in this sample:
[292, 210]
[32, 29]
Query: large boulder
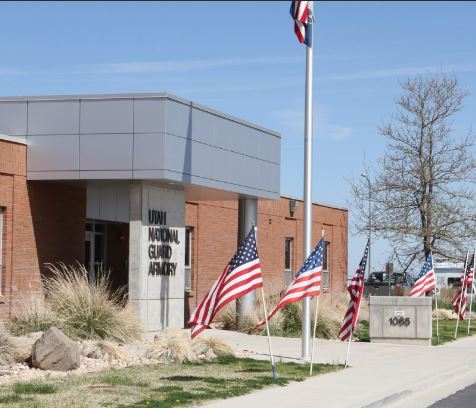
[55, 351]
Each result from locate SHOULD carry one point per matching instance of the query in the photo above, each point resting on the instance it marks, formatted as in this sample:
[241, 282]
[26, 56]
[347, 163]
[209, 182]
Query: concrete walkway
[380, 375]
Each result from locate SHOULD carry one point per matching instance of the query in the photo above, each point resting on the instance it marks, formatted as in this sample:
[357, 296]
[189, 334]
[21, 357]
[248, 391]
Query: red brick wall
[20, 274]
[214, 241]
[42, 222]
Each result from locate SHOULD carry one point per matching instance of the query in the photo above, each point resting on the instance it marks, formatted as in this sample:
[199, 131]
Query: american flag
[355, 289]
[241, 275]
[426, 279]
[307, 282]
[461, 295]
[301, 12]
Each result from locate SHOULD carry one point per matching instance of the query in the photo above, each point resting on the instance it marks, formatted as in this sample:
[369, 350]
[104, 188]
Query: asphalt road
[466, 398]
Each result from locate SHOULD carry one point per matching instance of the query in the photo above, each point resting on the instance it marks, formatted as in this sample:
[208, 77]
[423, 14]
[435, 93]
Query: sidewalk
[381, 375]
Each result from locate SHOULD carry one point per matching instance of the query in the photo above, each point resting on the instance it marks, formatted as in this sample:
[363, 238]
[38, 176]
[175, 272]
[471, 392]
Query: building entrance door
[95, 248]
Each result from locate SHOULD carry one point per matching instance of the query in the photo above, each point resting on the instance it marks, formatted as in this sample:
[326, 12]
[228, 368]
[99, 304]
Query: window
[188, 258]
[288, 260]
[1, 245]
[326, 265]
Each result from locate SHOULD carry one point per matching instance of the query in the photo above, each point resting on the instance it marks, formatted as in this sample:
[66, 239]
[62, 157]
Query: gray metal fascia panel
[156, 95]
[13, 118]
[106, 152]
[52, 175]
[53, 153]
[149, 115]
[107, 116]
[149, 151]
[53, 118]
[105, 175]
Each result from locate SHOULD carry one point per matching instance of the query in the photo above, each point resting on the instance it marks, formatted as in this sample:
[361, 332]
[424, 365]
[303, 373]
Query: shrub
[103, 350]
[7, 350]
[89, 310]
[35, 316]
[212, 346]
[292, 321]
[444, 298]
[171, 347]
[227, 318]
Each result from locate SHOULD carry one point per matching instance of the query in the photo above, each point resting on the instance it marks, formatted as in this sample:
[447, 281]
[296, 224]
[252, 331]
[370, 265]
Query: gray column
[247, 215]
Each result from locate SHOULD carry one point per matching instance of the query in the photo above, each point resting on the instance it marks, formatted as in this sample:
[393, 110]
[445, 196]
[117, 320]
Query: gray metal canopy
[143, 137]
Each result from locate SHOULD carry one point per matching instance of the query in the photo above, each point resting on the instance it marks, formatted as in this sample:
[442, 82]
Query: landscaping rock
[55, 351]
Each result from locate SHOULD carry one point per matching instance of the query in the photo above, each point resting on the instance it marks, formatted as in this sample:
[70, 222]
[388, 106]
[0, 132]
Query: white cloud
[393, 72]
[181, 65]
[334, 132]
[8, 71]
[291, 121]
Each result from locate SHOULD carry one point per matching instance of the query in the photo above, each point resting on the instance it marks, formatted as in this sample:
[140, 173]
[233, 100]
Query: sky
[243, 58]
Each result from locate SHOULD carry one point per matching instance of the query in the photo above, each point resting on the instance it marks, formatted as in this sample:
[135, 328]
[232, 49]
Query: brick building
[211, 231]
[81, 175]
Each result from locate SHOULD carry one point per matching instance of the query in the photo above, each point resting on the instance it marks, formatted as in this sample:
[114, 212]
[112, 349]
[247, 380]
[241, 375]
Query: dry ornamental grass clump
[171, 347]
[212, 347]
[103, 350]
[7, 349]
[35, 316]
[80, 308]
[89, 310]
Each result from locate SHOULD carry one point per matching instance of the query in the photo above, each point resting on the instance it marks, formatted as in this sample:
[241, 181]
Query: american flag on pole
[426, 279]
[307, 282]
[460, 298]
[241, 276]
[301, 13]
[355, 289]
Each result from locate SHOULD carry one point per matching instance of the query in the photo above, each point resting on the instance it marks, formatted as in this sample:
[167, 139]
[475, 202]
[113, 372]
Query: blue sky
[243, 58]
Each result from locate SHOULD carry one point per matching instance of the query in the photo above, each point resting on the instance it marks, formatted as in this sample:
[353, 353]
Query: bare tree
[422, 191]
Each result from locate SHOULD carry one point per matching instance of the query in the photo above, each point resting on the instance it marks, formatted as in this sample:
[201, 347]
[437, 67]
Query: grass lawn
[161, 386]
[446, 329]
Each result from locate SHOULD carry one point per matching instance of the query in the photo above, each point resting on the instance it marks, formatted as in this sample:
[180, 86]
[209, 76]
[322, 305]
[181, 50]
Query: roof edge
[154, 95]
[14, 139]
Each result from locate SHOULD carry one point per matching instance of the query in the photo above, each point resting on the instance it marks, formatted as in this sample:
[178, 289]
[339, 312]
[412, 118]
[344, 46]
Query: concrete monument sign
[156, 246]
[400, 319]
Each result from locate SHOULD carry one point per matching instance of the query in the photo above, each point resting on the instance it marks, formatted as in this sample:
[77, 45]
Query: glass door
[95, 248]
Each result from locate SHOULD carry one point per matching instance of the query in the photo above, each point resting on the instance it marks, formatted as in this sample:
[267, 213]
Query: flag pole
[461, 296]
[437, 320]
[315, 326]
[472, 293]
[273, 368]
[314, 334]
[306, 309]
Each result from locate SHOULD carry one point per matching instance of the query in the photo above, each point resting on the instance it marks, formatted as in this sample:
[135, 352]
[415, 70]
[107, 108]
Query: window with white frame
[188, 258]
[288, 260]
[326, 263]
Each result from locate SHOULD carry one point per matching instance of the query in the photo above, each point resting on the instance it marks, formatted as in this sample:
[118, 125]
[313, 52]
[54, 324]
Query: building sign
[163, 241]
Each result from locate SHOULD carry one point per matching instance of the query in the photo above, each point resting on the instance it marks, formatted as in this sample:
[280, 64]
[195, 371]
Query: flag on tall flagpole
[241, 276]
[426, 279]
[355, 289]
[460, 298]
[307, 282]
[301, 12]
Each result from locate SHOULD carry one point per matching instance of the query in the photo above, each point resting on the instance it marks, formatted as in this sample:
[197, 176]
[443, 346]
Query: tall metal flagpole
[306, 303]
